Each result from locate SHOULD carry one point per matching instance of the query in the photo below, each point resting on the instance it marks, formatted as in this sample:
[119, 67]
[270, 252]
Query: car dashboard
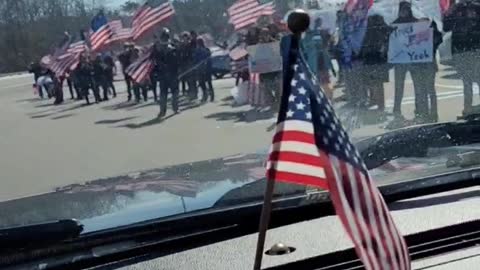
[326, 236]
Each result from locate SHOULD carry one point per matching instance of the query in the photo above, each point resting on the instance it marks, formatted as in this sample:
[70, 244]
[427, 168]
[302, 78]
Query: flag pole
[298, 22]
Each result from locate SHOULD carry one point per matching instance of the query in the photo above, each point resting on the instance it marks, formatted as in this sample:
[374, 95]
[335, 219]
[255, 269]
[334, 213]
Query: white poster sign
[264, 58]
[411, 43]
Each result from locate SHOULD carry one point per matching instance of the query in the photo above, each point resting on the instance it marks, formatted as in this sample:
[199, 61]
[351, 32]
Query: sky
[115, 3]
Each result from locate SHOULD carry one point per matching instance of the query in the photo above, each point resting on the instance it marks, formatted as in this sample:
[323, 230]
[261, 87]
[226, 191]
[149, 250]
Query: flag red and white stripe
[294, 157]
[444, 6]
[366, 218]
[310, 147]
[101, 37]
[64, 63]
[115, 25]
[147, 17]
[69, 60]
[353, 5]
[239, 66]
[77, 47]
[119, 33]
[122, 35]
[244, 13]
[140, 69]
[257, 96]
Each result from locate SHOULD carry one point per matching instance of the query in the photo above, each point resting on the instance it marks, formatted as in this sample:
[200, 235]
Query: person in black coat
[166, 61]
[125, 60]
[100, 76]
[463, 20]
[76, 83]
[85, 72]
[109, 73]
[191, 72]
[137, 87]
[373, 59]
[204, 71]
[185, 55]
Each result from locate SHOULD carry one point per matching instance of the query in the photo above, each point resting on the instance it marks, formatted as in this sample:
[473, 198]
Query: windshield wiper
[474, 116]
[416, 140]
[39, 234]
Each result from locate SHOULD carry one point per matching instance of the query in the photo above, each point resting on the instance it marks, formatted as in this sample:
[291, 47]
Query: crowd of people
[368, 69]
[183, 62]
[182, 65]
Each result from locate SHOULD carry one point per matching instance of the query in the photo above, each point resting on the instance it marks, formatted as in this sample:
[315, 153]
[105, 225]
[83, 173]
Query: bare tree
[129, 7]
[29, 28]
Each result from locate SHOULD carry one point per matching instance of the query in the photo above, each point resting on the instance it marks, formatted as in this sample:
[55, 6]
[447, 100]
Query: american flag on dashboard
[310, 147]
[146, 17]
[244, 13]
[101, 33]
[140, 69]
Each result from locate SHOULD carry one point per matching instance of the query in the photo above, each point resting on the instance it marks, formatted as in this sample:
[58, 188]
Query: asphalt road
[44, 146]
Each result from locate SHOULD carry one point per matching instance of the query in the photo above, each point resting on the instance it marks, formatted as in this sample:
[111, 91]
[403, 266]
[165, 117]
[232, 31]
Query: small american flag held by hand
[140, 69]
[310, 147]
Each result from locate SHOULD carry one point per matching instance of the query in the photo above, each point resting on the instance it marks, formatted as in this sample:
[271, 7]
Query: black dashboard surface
[325, 235]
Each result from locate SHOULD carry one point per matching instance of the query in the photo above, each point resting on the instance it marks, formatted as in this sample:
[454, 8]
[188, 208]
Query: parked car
[220, 62]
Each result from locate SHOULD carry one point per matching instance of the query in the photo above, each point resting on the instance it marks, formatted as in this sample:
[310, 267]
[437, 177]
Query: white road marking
[440, 96]
[408, 100]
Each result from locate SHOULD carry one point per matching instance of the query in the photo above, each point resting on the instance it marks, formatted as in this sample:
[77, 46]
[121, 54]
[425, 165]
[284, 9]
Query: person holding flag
[140, 71]
[353, 28]
[125, 59]
[110, 70]
[85, 74]
[423, 77]
[202, 57]
[374, 66]
[100, 76]
[101, 32]
[166, 60]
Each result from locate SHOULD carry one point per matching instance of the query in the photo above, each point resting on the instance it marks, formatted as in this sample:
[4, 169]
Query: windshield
[116, 112]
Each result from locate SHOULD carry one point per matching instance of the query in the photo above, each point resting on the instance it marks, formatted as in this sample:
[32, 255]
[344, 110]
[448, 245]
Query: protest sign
[264, 58]
[238, 53]
[411, 43]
